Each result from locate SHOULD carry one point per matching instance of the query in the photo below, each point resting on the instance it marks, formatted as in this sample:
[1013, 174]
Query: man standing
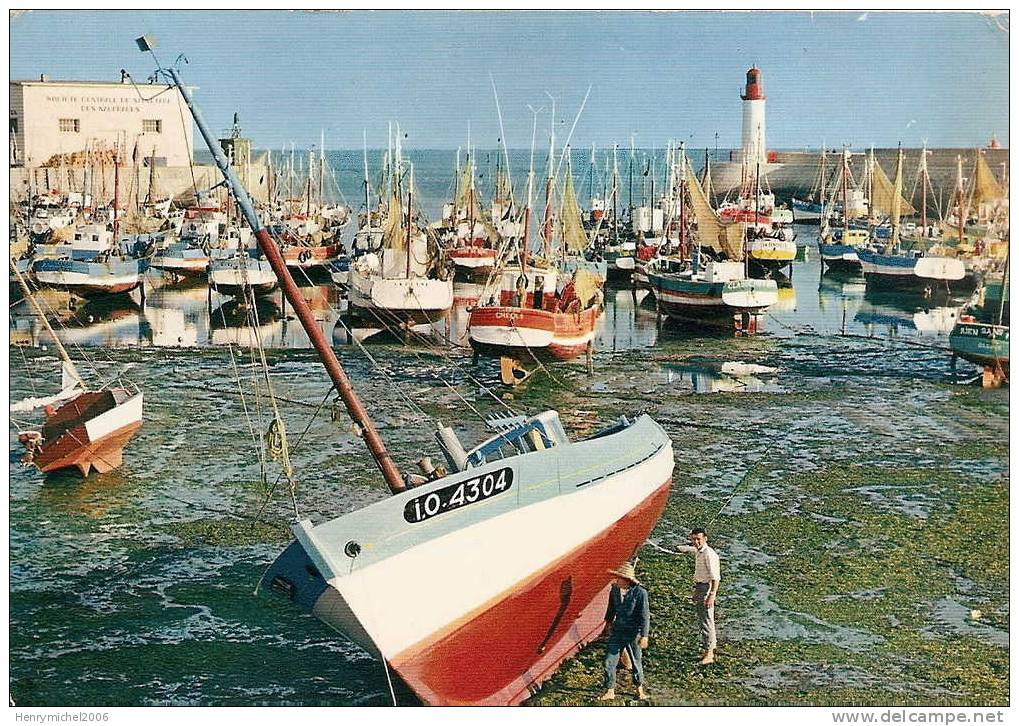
[629, 618]
[706, 575]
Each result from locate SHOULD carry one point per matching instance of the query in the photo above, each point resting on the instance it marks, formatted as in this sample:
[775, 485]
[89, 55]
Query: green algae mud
[853, 482]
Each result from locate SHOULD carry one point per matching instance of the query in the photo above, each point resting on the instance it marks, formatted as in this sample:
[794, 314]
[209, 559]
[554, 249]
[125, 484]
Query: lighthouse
[754, 148]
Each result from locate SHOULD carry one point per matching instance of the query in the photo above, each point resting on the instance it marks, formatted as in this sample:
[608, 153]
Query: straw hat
[626, 570]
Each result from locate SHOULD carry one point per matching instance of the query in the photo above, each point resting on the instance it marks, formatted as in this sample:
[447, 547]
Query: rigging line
[371, 359]
[281, 430]
[296, 446]
[256, 441]
[240, 391]
[449, 358]
[89, 361]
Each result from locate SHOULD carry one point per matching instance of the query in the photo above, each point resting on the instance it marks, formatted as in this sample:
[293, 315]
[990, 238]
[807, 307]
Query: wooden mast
[272, 253]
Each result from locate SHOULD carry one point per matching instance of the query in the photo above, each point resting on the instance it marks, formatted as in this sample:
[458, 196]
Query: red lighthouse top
[755, 89]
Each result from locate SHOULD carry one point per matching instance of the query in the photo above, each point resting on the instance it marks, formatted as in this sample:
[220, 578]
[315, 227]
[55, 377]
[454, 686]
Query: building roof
[55, 82]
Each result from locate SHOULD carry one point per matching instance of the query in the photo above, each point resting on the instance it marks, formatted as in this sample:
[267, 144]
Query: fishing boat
[405, 283]
[839, 248]
[109, 273]
[84, 429]
[985, 344]
[240, 272]
[718, 293]
[534, 320]
[188, 256]
[470, 236]
[770, 246]
[532, 550]
[893, 268]
[982, 337]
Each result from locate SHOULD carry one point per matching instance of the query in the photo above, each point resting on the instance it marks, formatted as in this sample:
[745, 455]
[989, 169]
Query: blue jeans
[612, 651]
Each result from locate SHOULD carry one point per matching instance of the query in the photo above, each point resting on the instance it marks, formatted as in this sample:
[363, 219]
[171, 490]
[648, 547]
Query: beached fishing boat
[985, 344]
[104, 275]
[188, 256]
[470, 236]
[533, 550]
[534, 320]
[84, 429]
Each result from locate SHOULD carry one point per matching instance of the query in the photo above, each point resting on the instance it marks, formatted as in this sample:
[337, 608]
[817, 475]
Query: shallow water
[136, 587]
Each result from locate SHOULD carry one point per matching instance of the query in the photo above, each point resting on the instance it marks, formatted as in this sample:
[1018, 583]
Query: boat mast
[547, 231]
[525, 247]
[615, 194]
[367, 192]
[629, 194]
[307, 202]
[321, 167]
[682, 201]
[924, 181]
[896, 205]
[116, 192]
[332, 365]
[410, 202]
[959, 213]
[845, 195]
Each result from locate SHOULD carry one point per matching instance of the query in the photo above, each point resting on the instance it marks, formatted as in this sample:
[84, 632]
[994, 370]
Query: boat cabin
[520, 435]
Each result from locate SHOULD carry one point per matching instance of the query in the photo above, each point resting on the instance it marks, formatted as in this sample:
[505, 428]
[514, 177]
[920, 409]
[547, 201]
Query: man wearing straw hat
[629, 618]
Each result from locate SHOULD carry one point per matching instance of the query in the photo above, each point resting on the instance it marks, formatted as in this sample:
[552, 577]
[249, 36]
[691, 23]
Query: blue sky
[851, 78]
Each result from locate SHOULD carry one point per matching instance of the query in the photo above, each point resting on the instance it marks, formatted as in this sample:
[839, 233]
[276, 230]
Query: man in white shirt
[706, 575]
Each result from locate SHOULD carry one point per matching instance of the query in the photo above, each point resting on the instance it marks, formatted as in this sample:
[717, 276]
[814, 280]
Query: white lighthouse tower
[754, 148]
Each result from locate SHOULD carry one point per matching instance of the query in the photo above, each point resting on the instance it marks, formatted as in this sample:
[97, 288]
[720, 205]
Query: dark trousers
[612, 650]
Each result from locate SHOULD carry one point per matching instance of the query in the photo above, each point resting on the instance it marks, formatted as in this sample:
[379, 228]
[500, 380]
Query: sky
[835, 78]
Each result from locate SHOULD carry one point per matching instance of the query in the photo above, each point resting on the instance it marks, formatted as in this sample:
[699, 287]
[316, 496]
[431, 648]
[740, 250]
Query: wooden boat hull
[527, 333]
[183, 261]
[901, 272]
[841, 258]
[229, 278]
[302, 258]
[770, 254]
[398, 302]
[90, 432]
[727, 305]
[981, 343]
[533, 567]
[89, 279]
[473, 261]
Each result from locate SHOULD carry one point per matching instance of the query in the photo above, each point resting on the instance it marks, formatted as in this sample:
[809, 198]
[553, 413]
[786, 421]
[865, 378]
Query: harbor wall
[793, 172]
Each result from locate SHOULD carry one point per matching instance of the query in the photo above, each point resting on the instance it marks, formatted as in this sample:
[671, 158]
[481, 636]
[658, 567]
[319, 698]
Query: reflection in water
[237, 323]
[625, 324]
[179, 316]
[893, 314]
[708, 377]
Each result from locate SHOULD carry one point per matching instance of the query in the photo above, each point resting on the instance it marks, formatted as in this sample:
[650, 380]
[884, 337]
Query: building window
[152, 126]
[70, 125]
[14, 124]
